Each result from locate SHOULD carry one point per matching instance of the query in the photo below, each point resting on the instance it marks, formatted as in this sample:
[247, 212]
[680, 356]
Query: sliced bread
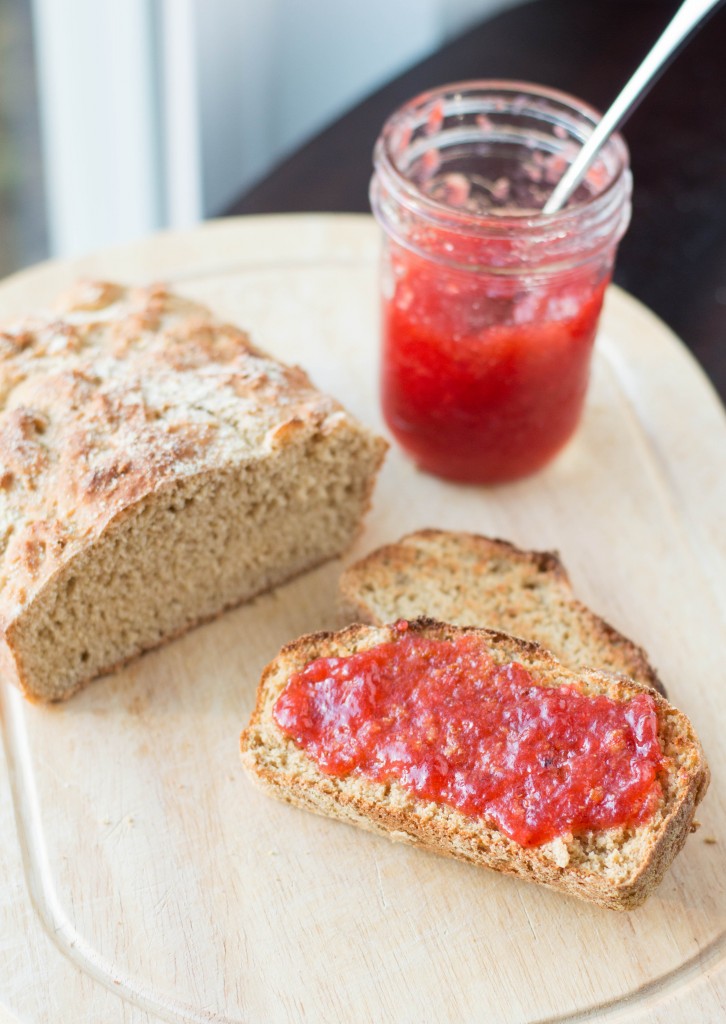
[615, 867]
[471, 580]
[155, 468]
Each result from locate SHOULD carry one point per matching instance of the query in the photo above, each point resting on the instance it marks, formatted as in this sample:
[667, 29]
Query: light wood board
[142, 876]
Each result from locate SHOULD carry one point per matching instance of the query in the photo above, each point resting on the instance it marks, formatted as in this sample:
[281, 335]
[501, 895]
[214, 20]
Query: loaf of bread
[471, 580]
[615, 867]
[155, 469]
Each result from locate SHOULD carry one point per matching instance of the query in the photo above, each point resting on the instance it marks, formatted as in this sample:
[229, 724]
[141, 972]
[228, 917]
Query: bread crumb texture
[155, 468]
[470, 580]
[615, 868]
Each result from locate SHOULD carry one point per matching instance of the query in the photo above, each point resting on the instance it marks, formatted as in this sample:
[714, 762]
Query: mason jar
[490, 307]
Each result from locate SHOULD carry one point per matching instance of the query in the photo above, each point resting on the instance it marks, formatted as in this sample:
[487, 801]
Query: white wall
[458, 15]
[159, 112]
[95, 66]
[277, 71]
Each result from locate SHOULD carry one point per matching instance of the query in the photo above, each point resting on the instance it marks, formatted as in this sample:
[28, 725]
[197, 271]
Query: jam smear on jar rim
[446, 721]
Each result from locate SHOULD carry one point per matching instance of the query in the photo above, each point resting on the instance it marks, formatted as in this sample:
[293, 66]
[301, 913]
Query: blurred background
[119, 117]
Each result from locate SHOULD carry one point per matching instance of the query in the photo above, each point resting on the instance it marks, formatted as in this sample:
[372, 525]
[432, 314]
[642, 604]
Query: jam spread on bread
[450, 724]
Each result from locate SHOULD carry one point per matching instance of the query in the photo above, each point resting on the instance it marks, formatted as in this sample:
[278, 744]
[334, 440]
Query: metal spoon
[686, 19]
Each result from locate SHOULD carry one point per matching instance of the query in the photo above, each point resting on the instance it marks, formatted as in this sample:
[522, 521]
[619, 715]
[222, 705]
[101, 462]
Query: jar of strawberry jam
[490, 307]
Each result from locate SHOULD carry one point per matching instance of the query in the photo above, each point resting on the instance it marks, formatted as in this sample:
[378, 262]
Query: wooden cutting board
[145, 879]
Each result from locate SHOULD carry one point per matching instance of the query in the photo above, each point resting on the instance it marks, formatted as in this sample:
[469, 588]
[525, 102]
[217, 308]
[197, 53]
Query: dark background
[673, 257]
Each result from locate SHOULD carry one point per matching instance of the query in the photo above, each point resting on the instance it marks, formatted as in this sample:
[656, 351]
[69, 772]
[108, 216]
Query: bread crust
[427, 561]
[616, 868]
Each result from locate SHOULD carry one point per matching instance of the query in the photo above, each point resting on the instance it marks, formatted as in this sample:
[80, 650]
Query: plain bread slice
[470, 580]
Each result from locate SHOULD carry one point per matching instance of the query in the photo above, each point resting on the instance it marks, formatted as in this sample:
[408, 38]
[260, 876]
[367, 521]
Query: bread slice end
[472, 580]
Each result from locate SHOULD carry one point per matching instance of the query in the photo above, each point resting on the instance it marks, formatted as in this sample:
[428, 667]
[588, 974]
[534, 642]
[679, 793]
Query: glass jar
[490, 308]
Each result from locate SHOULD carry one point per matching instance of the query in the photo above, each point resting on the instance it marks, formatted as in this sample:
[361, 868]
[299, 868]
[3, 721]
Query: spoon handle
[685, 20]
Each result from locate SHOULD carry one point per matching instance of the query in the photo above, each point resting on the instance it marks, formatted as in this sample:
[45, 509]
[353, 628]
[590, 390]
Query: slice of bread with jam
[615, 867]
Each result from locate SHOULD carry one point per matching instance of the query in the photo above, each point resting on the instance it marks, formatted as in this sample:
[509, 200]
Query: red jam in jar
[490, 308]
[451, 725]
